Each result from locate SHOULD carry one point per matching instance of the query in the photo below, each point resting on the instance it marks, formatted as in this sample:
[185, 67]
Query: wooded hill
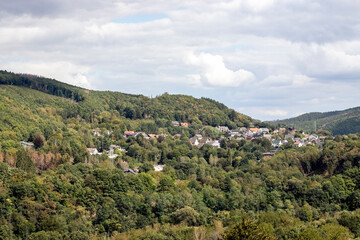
[86, 103]
[338, 122]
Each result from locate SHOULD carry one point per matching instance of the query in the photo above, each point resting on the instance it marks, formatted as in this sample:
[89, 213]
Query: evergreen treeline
[42, 84]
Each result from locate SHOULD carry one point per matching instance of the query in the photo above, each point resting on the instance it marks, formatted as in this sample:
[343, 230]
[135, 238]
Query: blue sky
[269, 59]
[140, 18]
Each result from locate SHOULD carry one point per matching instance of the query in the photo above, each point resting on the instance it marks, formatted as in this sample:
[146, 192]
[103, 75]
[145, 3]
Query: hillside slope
[338, 122]
[28, 102]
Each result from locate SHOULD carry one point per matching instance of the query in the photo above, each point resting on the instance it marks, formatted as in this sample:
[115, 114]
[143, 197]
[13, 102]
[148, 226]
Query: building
[129, 133]
[175, 123]
[289, 136]
[223, 129]
[254, 130]
[194, 141]
[268, 155]
[204, 140]
[159, 168]
[27, 144]
[93, 151]
[183, 124]
[264, 130]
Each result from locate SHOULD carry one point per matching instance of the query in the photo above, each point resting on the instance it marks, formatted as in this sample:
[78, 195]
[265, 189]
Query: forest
[55, 189]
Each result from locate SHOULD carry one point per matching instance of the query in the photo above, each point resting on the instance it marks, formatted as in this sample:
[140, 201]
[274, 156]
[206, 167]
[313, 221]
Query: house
[143, 134]
[268, 155]
[153, 135]
[93, 151]
[243, 129]
[264, 130]
[27, 144]
[194, 141]
[215, 143]
[223, 129]
[204, 140]
[298, 144]
[282, 130]
[249, 133]
[159, 168]
[267, 136]
[257, 135]
[113, 147]
[183, 124]
[289, 136]
[276, 143]
[129, 133]
[235, 135]
[175, 123]
[112, 156]
[313, 137]
[198, 135]
[254, 130]
[96, 132]
[130, 171]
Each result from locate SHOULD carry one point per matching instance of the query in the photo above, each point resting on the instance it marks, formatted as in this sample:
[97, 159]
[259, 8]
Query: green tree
[246, 229]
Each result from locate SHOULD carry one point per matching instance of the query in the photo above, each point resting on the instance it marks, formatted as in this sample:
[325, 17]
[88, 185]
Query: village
[279, 138]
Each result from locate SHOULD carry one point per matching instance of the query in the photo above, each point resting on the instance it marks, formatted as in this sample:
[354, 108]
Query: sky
[269, 59]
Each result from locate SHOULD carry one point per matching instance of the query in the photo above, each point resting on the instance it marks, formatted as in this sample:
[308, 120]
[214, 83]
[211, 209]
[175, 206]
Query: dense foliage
[338, 122]
[299, 192]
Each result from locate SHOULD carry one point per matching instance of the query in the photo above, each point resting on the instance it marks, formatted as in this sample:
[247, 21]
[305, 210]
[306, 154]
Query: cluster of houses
[111, 152]
[180, 124]
[198, 140]
[278, 137]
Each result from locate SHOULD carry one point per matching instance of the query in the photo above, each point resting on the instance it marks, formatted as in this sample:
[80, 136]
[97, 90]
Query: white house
[93, 151]
[159, 168]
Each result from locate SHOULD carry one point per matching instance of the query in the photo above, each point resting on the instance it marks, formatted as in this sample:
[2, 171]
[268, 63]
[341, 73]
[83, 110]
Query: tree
[24, 162]
[246, 229]
[186, 215]
[38, 141]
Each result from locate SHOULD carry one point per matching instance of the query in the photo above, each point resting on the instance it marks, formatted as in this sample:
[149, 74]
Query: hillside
[338, 122]
[85, 103]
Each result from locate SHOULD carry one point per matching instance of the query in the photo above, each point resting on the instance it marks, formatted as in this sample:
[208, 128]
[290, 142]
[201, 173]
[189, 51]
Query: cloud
[213, 71]
[329, 61]
[283, 80]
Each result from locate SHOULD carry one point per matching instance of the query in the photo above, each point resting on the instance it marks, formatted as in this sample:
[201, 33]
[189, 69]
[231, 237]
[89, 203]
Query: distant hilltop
[337, 122]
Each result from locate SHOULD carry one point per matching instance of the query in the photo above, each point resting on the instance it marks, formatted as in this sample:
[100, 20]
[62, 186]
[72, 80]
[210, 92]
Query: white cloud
[328, 61]
[283, 80]
[214, 72]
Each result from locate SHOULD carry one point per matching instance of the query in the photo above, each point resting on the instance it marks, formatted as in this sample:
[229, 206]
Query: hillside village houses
[277, 137]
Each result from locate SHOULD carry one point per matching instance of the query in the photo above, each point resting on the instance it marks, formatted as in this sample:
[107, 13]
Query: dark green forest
[56, 189]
